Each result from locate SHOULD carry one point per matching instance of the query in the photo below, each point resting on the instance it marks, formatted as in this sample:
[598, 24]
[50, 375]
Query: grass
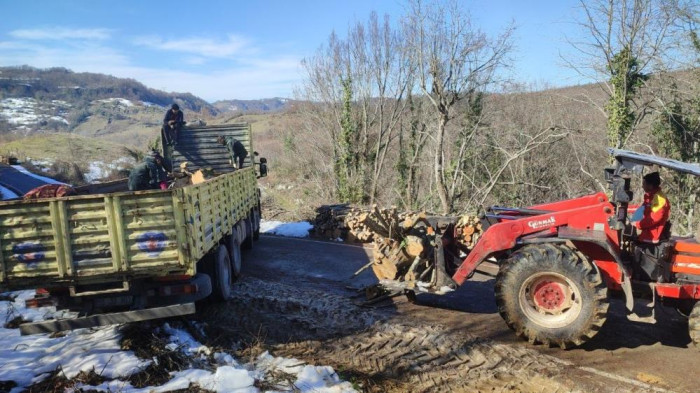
[64, 147]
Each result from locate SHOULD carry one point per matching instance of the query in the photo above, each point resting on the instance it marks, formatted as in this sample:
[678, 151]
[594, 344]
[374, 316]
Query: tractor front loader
[558, 262]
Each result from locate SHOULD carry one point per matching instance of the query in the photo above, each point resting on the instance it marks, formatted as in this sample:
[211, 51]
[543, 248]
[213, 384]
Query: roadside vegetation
[418, 111]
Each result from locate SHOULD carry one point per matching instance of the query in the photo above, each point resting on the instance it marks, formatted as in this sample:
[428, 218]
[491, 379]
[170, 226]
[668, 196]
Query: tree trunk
[445, 202]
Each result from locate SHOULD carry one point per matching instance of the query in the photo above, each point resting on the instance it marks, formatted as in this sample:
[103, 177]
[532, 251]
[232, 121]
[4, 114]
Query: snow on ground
[146, 103]
[20, 111]
[119, 101]
[29, 359]
[7, 194]
[26, 111]
[100, 169]
[290, 229]
[42, 178]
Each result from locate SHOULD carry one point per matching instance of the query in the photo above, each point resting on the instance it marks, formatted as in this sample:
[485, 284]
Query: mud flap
[599, 238]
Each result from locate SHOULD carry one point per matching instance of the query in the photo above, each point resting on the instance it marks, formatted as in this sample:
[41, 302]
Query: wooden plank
[112, 231]
[60, 240]
[118, 234]
[181, 231]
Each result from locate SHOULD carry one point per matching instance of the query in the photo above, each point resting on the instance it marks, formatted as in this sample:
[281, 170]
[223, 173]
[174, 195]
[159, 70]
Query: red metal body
[588, 215]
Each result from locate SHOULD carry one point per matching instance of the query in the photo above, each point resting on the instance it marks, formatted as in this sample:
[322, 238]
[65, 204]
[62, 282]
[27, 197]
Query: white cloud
[250, 77]
[207, 47]
[61, 33]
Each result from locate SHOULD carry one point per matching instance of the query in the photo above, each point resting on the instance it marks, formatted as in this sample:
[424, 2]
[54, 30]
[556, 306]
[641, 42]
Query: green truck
[117, 256]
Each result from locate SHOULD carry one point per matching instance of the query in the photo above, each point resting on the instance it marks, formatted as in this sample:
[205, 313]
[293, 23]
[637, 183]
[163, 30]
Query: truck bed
[119, 236]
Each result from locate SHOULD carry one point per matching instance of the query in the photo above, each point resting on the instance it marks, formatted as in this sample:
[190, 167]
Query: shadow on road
[292, 290]
[473, 297]
[618, 332]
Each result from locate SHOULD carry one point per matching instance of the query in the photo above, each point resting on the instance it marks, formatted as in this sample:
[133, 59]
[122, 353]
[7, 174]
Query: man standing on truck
[172, 124]
[235, 148]
[149, 175]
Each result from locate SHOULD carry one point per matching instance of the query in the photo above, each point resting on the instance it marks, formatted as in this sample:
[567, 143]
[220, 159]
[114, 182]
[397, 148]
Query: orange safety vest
[657, 209]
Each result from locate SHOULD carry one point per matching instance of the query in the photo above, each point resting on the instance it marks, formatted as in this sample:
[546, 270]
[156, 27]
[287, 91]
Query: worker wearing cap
[149, 175]
[235, 148]
[172, 124]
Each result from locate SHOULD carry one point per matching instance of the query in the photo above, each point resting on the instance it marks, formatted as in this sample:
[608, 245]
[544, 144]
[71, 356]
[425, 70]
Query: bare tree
[624, 41]
[359, 86]
[453, 60]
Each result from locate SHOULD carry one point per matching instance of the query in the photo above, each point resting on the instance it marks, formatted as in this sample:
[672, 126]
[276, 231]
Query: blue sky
[244, 49]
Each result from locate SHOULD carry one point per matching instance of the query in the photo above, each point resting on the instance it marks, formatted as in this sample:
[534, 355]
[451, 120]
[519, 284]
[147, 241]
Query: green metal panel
[100, 238]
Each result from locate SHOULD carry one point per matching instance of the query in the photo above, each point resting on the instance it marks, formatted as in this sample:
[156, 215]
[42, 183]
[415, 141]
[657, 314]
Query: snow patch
[290, 229]
[118, 101]
[23, 112]
[99, 169]
[29, 359]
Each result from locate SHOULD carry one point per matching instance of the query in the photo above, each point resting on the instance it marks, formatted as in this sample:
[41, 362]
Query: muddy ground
[296, 298]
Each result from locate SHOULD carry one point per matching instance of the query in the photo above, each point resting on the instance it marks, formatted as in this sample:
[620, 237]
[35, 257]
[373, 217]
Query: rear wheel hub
[550, 299]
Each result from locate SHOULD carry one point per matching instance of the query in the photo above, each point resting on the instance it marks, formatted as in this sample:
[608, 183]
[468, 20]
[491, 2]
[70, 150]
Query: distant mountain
[253, 106]
[75, 88]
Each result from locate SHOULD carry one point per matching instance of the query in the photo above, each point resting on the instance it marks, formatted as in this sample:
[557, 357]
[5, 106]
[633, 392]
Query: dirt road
[455, 342]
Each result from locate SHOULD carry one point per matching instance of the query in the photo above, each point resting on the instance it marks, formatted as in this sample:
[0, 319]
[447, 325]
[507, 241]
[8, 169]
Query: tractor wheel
[550, 294]
[218, 266]
[694, 325]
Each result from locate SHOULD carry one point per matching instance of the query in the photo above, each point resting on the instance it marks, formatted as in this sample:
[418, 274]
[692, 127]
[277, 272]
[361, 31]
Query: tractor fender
[598, 238]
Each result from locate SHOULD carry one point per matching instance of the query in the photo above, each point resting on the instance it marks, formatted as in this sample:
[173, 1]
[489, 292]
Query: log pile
[329, 222]
[404, 243]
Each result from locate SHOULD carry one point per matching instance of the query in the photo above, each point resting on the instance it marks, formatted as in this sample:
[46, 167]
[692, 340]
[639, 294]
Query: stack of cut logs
[330, 221]
[404, 242]
[467, 230]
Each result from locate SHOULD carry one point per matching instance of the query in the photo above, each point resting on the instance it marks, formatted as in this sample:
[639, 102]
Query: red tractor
[558, 262]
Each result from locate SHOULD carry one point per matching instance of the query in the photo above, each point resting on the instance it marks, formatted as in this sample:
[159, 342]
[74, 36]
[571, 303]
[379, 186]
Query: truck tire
[218, 266]
[248, 241]
[694, 325]
[234, 252]
[256, 224]
[550, 294]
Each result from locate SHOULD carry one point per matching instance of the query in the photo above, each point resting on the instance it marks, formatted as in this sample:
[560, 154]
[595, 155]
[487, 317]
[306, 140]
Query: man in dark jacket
[235, 149]
[149, 175]
[172, 124]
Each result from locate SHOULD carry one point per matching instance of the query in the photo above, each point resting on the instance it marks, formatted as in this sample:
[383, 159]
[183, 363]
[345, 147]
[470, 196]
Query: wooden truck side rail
[112, 237]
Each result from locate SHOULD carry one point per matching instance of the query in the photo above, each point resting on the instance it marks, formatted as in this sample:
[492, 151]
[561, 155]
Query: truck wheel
[256, 224]
[694, 325]
[234, 252]
[218, 267]
[248, 241]
[549, 294]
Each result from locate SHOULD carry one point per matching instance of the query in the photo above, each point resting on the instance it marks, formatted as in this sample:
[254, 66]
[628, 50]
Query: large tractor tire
[694, 325]
[218, 266]
[550, 294]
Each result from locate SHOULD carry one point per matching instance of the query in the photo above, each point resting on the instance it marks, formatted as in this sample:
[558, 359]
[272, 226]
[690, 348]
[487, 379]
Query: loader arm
[514, 230]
